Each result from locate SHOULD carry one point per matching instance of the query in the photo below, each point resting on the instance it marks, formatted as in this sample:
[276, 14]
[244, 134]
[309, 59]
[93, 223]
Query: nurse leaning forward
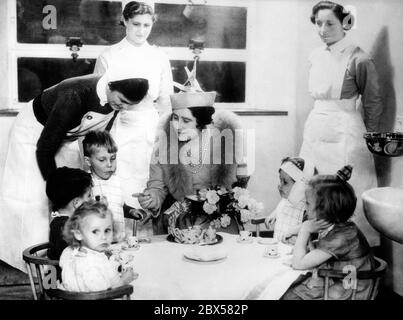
[43, 137]
[333, 135]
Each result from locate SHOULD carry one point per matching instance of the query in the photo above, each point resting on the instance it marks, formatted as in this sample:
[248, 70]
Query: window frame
[25, 50]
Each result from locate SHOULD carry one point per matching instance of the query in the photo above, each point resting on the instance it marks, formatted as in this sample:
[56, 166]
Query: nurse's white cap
[122, 74]
[148, 2]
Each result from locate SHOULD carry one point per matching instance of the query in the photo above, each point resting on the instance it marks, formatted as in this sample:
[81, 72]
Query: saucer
[127, 248]
[271, 256]
[267, 241]
[250, 240]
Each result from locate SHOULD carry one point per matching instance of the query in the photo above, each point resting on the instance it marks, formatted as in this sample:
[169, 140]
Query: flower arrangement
[220, 204]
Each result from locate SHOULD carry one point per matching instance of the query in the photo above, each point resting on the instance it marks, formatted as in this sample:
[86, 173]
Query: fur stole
[177, 178]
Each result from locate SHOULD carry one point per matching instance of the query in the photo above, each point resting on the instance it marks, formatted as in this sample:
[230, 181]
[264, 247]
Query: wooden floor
[22, 292]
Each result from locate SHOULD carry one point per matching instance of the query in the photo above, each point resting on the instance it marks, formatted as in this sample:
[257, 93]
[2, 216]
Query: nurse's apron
[333, 133]
[24, 211]
[134, 132]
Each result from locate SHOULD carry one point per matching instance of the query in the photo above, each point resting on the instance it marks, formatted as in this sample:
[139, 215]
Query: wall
[379, 32]
[3, 51]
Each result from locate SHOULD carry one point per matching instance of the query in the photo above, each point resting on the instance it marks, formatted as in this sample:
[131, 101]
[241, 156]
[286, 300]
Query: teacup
[209, 234]
[271, 249]
[132, 241]
[245, 235]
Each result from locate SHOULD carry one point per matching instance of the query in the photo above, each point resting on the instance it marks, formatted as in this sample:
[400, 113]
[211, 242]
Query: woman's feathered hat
[191, 94]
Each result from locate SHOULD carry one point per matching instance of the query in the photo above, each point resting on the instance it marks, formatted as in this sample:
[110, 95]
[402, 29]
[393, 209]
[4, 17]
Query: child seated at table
[67, 189]
[331, 201]
[100, 155]
[85, 263]
[287, 217]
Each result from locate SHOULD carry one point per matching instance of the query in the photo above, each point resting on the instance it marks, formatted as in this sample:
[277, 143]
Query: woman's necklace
[196, 167]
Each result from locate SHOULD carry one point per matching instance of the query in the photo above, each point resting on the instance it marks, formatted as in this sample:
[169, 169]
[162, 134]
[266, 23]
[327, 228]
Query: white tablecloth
[164, 273]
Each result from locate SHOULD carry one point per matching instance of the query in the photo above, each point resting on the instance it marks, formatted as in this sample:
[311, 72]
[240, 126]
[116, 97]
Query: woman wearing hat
[333, 136]
[134, 131]
[190, 156]
[44, 136]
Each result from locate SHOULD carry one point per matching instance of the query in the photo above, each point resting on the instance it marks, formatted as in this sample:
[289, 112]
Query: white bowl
[384, 210]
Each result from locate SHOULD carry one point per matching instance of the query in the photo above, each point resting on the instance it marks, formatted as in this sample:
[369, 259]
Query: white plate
[200, 257]
[250, 240]
[271, 256]
[204, 261]
[267, 241]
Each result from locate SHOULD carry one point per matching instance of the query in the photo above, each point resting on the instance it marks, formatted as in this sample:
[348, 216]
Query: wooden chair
[374, 275]
[258, 233]
[115, 293]
[37, 262]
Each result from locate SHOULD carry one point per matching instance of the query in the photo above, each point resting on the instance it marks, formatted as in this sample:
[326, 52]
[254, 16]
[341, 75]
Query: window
[39, 57]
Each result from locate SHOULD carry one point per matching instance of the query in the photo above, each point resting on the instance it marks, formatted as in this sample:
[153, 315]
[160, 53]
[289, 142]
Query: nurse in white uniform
[340, 73]
[135, 130]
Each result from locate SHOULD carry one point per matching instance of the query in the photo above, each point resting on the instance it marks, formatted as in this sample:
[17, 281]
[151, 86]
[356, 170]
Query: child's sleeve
[97, 278]
[334, 244]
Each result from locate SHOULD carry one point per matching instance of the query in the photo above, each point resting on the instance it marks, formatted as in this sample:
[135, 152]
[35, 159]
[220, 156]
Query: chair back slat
[353, 294]
[258, 232]
[326, 288]
[31, 280]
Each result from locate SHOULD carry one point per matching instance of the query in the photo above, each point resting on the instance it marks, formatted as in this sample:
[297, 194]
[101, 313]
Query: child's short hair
[88, 208]
[64, 184]
[95, 139]
[335, 198]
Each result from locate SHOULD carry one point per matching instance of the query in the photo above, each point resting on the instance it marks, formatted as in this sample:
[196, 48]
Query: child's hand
[314, 225]
[129, 276]
[269, 221]
[287, 235]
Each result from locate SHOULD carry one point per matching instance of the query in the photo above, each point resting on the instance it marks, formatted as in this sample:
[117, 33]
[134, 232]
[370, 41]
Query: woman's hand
[148, 200]
[314, 225]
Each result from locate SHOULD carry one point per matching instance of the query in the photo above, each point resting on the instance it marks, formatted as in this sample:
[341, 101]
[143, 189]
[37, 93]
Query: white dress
[333, 133]
[87, 270]
[135, 130]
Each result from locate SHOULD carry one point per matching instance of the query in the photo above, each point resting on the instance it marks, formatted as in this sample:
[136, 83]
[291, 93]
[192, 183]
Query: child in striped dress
[294, 174]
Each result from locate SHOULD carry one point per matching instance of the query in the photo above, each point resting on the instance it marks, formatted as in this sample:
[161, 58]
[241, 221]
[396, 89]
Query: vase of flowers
[219, 208]
[221, 204]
